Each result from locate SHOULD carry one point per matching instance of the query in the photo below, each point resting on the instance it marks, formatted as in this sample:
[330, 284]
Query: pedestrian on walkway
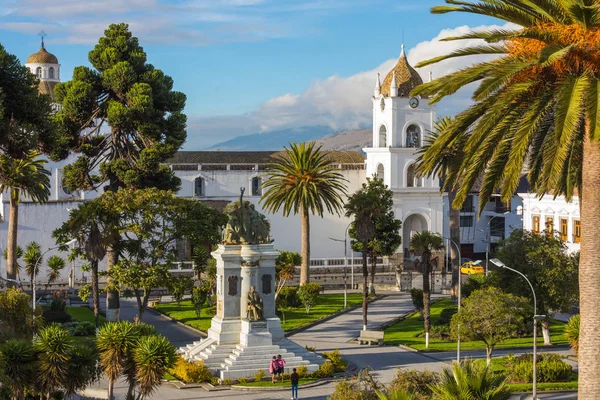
[273, 368]
[294, 378]
[281, 363]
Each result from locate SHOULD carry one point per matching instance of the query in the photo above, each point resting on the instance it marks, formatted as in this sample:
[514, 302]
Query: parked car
[472, 267]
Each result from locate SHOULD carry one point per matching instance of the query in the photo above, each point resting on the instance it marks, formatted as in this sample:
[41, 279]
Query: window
[497, 227]
[382, 136]
[256, 186]
[51, 73]
[564, 223]
[38, 72]
[468, 205]
[410, 176]
[466, 221]
[199, 187]
[577, 231]
[64, 187]
[535, 228]
[413, 136]
[549, 225]
[183, 247]
[380, 171]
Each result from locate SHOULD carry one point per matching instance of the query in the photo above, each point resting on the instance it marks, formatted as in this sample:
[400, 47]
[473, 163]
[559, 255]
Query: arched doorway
[414, 223]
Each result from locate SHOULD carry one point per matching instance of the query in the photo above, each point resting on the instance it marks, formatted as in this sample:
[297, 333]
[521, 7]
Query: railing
[184, 266]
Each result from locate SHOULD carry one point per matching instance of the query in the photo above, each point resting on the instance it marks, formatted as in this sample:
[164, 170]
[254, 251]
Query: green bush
[336, 360]
[308, 294]
[288, 297]
[325, 370]
[550, 368]
[440, 332]
[259, 376]
[302, 371]
[77, 328]
[417, 298]
[189, 372]
[242, 381]
[363, 386]
[572, 332]
[415, 382]
[56, 316]
[446, 316]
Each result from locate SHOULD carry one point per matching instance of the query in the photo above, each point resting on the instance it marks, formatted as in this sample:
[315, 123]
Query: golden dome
[407, 78]
[42, 57]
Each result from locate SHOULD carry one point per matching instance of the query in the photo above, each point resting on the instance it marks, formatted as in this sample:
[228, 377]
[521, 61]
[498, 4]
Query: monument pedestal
[255, 333]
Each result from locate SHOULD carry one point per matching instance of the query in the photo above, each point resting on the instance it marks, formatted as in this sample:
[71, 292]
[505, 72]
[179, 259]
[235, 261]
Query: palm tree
[448, 162]
[18, 364]
[28, 177]
[304, 181]
[471, 381]
[537, 103]
[426, 243]
[81, 370]
[18, 254]
[53, 346]
[154, 356]
[32, 259]
[55, 265]
[115, 341]
[396, 394]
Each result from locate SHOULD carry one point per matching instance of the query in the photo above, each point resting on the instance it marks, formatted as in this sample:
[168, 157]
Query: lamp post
[536, 318]
[345, 241]
[459, 293]
[489, 239]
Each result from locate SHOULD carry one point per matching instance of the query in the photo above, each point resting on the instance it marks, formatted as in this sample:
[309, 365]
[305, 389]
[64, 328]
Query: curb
[540, 349]
[526, 395]
[329, 317]
[281, 388]
[166, 317]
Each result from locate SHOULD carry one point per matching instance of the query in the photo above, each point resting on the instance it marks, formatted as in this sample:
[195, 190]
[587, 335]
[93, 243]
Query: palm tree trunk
[365, 286]
[305, 225]
[546, 332]
[11, 246]
[488, 354]
[426, 296]
[589, 273]
[373, 271]
[95, 292]
[110, 389]
[112, 296]
[454, 223]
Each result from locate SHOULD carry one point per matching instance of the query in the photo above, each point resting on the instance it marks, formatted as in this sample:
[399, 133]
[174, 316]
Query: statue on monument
[246, 225]
[255, 305]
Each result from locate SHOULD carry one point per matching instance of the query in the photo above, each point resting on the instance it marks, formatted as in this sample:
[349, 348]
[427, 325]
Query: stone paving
[336, 333]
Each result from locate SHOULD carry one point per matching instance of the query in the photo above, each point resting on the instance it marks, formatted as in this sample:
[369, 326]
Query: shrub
[363, 386]
[415, 382]
[325, 370]
[440, 332]
[336, 360]
[199, 297]
[446, 316]
[55, 316]
[189, 372]
[226, 382]
[242, 381]
[308, 294]
[302, 371]
[15, 314]
[417, 298]
[214, 381]
[259, 376]
[572, 332]
[550, 368]
[58, 302]
[311, 349]
[77, 328]
[285, 377]
[288, 297]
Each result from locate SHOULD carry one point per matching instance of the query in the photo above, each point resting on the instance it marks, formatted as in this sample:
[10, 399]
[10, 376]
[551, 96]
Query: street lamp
[16, 282]
[489, 239]
[35, 267]
[536, 318]
[459, 294]
[345, 241]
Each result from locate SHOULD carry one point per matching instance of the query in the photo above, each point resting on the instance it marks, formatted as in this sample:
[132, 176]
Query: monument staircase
[238, 361]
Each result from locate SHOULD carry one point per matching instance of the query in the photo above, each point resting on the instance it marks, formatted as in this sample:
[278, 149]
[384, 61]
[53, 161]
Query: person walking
[294, 379]
[281, 363]
[273, 368]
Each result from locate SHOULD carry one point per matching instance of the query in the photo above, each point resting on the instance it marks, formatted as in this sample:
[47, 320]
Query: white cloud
[341, 102]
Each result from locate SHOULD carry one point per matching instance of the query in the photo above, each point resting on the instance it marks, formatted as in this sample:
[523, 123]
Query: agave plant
[154, 356]
[396, 394]
[81, 370]
[470, 381]
[18, 366]
[52, 345]
[115, 341]
[572, 332]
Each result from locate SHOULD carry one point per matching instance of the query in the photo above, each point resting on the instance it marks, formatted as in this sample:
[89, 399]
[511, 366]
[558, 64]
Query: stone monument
[246, 332]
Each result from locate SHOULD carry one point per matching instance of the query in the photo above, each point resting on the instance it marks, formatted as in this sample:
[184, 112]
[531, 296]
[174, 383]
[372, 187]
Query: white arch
[205, 179]
[405, 127]
[251, 180]
[380, 171]
[421, 180]
[383, 133]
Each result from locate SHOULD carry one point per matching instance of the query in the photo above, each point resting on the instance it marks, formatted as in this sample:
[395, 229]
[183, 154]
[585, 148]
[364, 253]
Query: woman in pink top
[280, 363]
[273, 368]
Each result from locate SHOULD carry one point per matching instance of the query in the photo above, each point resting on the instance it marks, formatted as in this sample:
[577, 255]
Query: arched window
[256, 186]
[51, 73]
[38, 72]
[411, 177]
[380, 171]
[64, 187]
[199, 187]
[413, 136]
[382, 136]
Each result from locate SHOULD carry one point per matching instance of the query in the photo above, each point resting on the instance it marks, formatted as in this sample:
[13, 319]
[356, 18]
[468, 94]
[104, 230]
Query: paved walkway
[337, 333]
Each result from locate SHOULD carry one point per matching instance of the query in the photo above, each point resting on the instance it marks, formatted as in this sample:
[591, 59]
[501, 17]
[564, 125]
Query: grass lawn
[82, 314]
[277, 383]
[326, 305]
[406, 332]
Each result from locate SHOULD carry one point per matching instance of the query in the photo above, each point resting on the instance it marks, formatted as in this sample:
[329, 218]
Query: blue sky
[246, 65]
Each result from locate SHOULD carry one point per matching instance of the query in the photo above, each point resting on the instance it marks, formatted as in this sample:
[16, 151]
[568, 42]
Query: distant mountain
[275, 140]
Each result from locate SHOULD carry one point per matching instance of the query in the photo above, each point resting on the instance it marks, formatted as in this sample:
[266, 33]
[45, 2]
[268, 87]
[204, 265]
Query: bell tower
[400, 126]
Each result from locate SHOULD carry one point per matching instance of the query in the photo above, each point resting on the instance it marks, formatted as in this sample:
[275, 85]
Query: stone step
[258, 349]
[292, 365]
[260, 355]
[230, 361]
[250, 372]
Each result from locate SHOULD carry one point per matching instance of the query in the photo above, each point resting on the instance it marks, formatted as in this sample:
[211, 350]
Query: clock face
[413, 102]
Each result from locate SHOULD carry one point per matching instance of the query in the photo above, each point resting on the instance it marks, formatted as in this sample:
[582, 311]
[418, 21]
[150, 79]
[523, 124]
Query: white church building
[400, 126]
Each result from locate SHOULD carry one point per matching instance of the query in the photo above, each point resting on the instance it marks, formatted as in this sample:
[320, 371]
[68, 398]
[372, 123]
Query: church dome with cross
[405, 77]
[45, 66]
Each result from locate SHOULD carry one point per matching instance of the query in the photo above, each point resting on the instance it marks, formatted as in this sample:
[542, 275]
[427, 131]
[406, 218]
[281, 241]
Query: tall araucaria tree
[537, 104]
[303, 180]
[386, 235]
[25, 132]
[124, 119]
[448, 160]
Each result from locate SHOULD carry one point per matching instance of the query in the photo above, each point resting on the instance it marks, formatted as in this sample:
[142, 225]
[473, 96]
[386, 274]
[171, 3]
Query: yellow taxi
[472, 268]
